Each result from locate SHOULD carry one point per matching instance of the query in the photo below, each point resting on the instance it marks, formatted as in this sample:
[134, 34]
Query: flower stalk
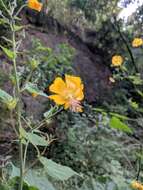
[18, 107]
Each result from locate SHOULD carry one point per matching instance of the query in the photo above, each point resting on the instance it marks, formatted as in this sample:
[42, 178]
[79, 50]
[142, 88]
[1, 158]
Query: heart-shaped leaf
[57, 171]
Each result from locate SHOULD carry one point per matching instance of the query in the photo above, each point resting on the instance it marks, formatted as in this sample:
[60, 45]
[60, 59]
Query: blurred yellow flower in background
[117, 60]
[34, 4]
[136, 185]
[137, 42]
[68, 93]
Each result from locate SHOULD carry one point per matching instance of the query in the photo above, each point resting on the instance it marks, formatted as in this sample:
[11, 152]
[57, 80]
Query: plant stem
[117, 28]
[139, 165]
[21, 165]
[13, 124]
[25, 154]
[17, 93]
[4, 6]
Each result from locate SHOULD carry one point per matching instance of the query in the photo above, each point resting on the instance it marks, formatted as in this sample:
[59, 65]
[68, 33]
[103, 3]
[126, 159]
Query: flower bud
[11, 104]
[34, 63]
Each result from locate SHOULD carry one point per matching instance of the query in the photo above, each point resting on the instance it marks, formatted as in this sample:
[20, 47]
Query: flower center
[75, 105]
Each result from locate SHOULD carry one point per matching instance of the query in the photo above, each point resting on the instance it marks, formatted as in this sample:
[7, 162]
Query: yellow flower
[137, 42]
[136, 185]
[117, 60]
[34, 4]
[111, 79]
[68, 93]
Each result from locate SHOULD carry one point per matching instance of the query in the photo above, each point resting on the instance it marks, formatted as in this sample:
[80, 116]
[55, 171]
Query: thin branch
[117, 28]
[22, 7]
[13, 125]
[6, 9]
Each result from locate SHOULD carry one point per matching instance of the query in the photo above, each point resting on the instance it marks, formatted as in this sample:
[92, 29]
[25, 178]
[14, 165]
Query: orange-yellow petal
[72, 81]
[79, 95]
[117, 60]
[137, 42]
[34, 4]
[68, 93]
[80, 110]
[136, 185]
[66, 106]
[59, 100]
[58, 86]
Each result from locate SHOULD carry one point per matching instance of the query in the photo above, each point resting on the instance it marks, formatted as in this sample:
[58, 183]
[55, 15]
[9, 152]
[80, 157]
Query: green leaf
[18, 28]
[91, 184]
[22, 132]
[119, 116]
[8, 52]
[100, 110]
[8, 100]
[4, 187]
[23, 135]
[140, 93]
[33, 138]
[14, 184]
[36, 139]
[3, 21]
[57, 171]
[17, 18]
[6, 39]
[32, 88]
[116, 123]
[39, 180]
[15, 172]
[4, 96]
[48, 114]
[31, 188]
[134, 104]
[34, 178]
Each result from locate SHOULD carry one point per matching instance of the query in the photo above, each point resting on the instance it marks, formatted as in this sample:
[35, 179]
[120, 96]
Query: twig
[117, 28]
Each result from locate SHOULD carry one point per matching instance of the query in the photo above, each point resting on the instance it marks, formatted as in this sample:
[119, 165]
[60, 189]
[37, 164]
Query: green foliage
[36, 178]
[31, 88]
[32, 134]
[51, 63]
[96, 11]
[57, 171]
[93, 142]
[94, 150]
[39, 179]
[116, 123]
[83, 13]
[8, 52]
[36, 139]
[13, 185]
[4, 96]
[91, 184]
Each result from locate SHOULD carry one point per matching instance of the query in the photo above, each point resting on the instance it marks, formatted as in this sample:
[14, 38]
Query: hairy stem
[18, 108]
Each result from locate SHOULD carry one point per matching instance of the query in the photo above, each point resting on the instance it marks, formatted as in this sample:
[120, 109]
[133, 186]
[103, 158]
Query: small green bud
[11, 104]
[34, 63]
[13, 80]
